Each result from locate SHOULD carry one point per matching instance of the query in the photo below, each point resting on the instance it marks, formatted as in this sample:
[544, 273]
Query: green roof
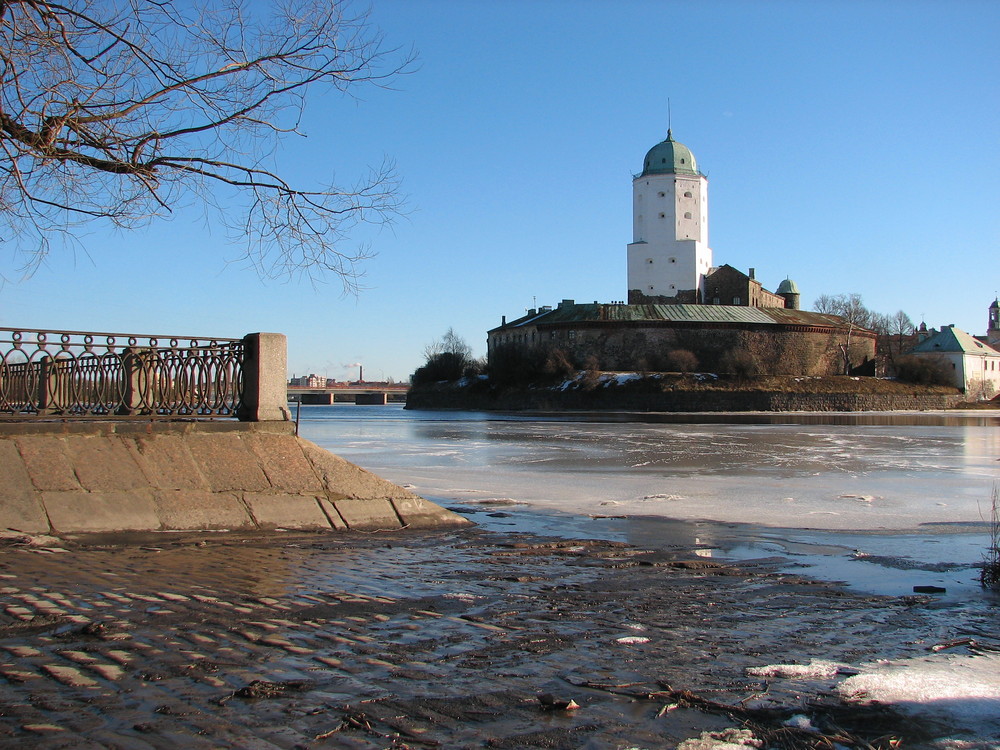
[788, 287]
[726, 314]
[669, 157]
[953, 339]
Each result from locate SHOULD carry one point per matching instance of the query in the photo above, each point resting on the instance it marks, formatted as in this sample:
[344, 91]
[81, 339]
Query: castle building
[669, 255]
[669, 258]
[679, 302]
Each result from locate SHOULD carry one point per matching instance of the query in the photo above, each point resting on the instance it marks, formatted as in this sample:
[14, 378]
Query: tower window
[663, 215]
[662, 195]
[688, 194]
[687, 214]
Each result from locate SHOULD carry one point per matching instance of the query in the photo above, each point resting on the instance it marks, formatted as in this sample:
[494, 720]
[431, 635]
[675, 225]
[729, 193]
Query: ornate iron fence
[77, 375]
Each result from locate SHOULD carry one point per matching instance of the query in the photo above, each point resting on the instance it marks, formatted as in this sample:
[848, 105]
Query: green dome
[669, 157]
[788, 287]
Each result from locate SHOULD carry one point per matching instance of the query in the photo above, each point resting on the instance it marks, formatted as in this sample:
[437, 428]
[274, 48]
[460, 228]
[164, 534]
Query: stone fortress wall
[776, 350]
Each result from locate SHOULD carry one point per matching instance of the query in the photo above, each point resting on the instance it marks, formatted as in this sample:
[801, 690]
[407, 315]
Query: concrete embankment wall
[676, 401]
[58, 478]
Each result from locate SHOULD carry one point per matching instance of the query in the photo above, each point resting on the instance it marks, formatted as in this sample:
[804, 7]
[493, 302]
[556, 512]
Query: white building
[974, 365]
[669, 255]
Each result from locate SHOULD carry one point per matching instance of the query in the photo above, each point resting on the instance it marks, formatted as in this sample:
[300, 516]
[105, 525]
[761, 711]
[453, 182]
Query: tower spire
[670, 136]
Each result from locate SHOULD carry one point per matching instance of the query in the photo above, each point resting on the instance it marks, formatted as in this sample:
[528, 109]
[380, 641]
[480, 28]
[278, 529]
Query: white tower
[669, 254]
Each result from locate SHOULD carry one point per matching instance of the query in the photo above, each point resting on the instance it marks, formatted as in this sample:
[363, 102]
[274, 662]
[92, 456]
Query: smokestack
[361, 373]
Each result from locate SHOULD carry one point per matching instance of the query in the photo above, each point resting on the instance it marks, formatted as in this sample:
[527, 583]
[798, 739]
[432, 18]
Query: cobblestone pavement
[405, 640]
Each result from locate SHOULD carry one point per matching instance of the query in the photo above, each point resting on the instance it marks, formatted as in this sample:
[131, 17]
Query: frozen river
[882, 501]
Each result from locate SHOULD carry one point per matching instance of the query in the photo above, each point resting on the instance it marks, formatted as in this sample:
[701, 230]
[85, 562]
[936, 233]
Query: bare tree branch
[118, 110]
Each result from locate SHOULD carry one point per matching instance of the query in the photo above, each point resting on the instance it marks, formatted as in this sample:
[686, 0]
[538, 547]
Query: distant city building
[973, 364]
[677, 300]
[309, 381]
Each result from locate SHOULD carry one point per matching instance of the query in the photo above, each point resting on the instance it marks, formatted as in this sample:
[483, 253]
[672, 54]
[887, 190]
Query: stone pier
[65, 477]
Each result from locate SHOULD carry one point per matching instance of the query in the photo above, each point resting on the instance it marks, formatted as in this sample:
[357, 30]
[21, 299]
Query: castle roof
[569, 313]
[788, 287]
[669, 157]
[953, 340]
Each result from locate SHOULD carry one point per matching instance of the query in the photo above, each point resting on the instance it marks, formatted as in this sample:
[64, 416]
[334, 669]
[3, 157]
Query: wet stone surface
[430, 640]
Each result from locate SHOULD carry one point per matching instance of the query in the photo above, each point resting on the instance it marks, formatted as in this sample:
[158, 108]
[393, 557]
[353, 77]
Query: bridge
[359, 393]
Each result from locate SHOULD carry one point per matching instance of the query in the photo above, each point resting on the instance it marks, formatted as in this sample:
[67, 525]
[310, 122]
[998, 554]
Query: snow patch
[962, 690]
[628, 639]
[727, 739]
[800, 721]
[815, 669]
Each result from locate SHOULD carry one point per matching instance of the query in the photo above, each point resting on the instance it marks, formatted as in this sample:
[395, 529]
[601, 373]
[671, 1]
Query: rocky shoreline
[470, 638]
[672, 392]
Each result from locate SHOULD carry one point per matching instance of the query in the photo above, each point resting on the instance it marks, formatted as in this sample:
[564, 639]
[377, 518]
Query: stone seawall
[673, 401]
[58, 478]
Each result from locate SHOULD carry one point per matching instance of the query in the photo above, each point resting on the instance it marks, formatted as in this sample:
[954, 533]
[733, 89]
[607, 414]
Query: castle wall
[719, 400]
[772, 349]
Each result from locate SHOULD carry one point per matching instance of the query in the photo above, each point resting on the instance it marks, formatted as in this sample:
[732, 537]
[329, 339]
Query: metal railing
[78, 375]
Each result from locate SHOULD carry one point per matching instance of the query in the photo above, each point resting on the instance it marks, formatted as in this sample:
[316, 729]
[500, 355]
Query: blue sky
[852, 146]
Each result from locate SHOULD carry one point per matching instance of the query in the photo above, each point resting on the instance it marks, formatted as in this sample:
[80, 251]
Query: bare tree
[848, 306]
[447, 358]
[123, 110]
[682, 360]
[898, 334]
[889, 329]
[900, 324]
[450, 343]
[825, 304]
[853, 310]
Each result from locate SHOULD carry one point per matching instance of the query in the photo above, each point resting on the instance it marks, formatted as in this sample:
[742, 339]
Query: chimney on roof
[503, 320]
[753, 273]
